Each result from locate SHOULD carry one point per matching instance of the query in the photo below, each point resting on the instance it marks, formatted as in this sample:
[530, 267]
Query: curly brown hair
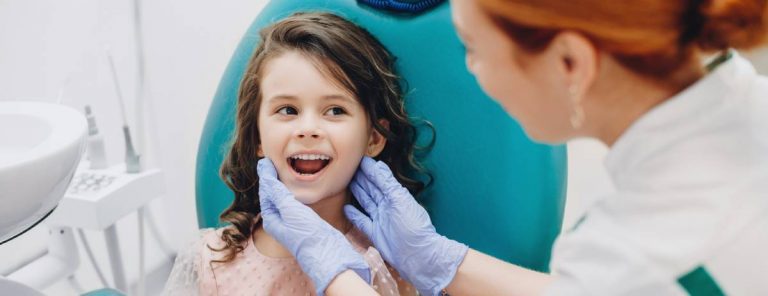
[359, 63]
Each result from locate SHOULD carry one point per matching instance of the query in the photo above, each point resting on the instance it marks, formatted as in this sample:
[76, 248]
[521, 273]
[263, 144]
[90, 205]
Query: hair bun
[732, 24]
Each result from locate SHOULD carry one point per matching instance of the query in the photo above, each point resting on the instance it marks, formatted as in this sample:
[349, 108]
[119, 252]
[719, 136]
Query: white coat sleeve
[634, 244]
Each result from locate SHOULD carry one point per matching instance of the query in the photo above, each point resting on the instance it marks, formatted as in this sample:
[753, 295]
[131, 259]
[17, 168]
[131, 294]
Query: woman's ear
[377, 141]
[578, 60]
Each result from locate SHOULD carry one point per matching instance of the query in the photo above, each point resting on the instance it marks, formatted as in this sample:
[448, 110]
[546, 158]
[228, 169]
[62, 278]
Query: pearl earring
[577, 114]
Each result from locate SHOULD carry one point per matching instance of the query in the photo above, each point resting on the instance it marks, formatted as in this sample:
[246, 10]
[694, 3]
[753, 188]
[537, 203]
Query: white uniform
[690, 212]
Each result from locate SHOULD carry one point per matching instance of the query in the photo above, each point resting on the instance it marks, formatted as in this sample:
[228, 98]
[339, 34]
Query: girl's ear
[259, 152]
[377, 141]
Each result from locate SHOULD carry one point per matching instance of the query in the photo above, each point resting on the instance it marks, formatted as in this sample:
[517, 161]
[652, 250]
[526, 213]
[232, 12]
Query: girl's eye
[335, 111]
[287, 110]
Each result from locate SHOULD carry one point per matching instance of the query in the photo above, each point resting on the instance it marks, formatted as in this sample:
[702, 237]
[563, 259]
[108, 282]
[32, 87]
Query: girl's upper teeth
[310, 157]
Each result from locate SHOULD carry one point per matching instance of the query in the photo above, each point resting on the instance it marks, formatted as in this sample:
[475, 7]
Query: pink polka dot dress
[253, 273]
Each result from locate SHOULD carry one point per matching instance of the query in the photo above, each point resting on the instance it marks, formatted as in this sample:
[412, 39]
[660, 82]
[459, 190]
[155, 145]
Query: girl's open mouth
[308, 164]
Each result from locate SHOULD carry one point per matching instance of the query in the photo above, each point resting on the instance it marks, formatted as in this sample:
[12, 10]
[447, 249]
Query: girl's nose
[308, 129]
[308, 133]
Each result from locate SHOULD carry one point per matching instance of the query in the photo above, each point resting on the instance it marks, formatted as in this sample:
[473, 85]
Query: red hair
[651, 37]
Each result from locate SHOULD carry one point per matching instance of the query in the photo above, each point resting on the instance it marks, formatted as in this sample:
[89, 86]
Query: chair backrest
[494, 189]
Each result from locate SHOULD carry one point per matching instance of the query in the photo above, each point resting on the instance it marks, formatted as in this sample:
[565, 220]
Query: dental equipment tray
[96, 199]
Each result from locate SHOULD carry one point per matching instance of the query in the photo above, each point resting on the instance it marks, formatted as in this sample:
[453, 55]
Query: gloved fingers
[365, 199]
[283, 201]
[368, 167]
[270, 217]
[379, 174]
[360, 220]
[295, 214]
[270, 187]
[268, 193]
[269, 209]
[268, 177]
[366, 185]
[363, 270]
[272, 193]
[266, 169]
[264, 201]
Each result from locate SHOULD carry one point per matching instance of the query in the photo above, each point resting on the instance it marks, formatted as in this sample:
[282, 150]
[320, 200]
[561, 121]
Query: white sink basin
[40, 147]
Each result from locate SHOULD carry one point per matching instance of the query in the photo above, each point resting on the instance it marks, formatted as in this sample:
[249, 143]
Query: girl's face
[527, 86]
[313, 130]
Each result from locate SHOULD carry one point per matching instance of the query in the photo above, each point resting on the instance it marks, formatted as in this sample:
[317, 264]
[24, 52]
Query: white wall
[50, 46]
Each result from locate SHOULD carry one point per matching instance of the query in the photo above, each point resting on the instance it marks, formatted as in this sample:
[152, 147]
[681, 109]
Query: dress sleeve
[405, 288]
[386, 281]
[187, 273]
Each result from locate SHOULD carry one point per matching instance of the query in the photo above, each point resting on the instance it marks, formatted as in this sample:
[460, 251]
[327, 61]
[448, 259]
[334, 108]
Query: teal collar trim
[700, 283]
[719, 60]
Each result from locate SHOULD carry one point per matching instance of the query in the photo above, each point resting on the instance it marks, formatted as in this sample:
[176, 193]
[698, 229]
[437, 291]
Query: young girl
[319, 93]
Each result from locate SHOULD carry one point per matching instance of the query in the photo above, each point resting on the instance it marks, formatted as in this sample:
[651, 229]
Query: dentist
[688, 157]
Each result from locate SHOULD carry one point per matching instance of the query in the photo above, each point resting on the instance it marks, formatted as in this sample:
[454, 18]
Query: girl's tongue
[302, 166]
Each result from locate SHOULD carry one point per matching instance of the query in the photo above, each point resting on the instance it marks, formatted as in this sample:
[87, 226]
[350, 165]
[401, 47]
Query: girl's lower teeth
[307, 169]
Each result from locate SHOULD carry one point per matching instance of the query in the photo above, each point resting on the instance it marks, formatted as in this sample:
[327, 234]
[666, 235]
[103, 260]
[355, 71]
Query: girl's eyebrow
[340, 97]
[282, 97]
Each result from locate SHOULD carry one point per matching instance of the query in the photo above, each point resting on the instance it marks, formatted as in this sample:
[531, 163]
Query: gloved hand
[401, 230]
[322, 251]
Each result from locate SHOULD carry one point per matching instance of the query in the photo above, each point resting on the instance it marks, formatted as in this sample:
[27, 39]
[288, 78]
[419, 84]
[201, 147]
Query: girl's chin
[307, 197]
[308, 200]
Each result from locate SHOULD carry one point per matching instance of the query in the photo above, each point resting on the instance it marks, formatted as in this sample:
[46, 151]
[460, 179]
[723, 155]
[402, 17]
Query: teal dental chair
[493, 189]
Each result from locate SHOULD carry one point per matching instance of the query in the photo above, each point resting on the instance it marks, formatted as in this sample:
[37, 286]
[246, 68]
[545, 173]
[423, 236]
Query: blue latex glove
[322, 251]
[401, 230]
